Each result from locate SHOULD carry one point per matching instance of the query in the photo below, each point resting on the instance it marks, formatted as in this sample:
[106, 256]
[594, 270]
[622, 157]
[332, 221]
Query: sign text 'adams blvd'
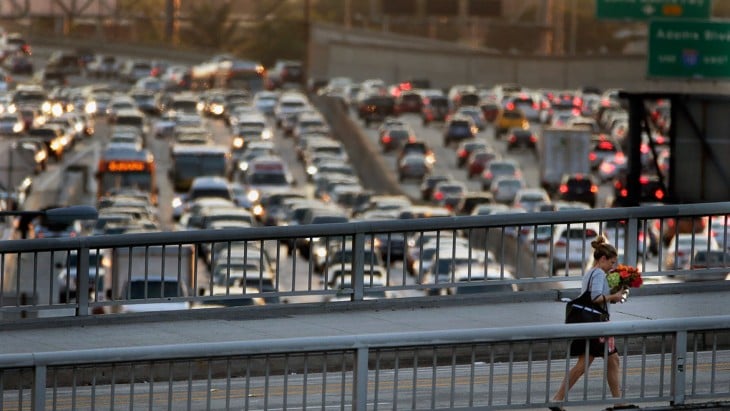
[689, 49]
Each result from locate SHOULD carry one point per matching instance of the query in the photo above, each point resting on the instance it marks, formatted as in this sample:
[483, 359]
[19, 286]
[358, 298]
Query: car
[571, 245]
[479, 160]
[67, 62]
[11, 124]
[419, 147]
[434, 108]
[604, 147]
[465, 148]
[475, 113]
[473, 199]
[413, 166]
[102, 66]
[652, 189]
[408, 102]
[505, 188]
[497, 168]
[285, 73]
[429, 183]
[35, 151]
[458, 129]
[531, 199]
[18, 64]
[508, 119]
[395, 138]
[709, 259]
[579, 187]
[375, 108]
[520, 137]
[682, 247]
[448, 194]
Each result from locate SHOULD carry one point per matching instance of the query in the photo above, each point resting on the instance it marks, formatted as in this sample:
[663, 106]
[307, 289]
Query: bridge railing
[352, 261]
[662, 362]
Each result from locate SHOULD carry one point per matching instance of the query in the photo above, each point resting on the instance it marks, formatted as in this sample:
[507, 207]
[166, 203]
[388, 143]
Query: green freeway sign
[649, 9]
[689, 49]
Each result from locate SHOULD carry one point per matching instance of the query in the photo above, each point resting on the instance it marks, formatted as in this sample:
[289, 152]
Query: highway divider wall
[366, 159]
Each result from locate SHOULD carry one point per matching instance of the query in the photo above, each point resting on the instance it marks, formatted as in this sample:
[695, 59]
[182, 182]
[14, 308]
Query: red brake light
[577, 101]
[386, 139]
[463, 153]
[438, 196]
[644, 180]
[510, 106]
[644, 149]
[533, 139]
[659, 194]
[561, 243]
[576, 112]
[563, 188]
[592, 156]
[545, 105]
[594, 188]
[512, 138]
[535, 106]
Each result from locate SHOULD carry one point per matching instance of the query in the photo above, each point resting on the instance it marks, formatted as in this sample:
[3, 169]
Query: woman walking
[605, 257]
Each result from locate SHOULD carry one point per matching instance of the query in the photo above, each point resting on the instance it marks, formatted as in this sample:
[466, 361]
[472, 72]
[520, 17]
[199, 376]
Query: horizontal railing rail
[353, 261]
[669, 361]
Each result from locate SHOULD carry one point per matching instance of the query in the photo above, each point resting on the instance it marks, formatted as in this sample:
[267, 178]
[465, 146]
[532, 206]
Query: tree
[210, 26]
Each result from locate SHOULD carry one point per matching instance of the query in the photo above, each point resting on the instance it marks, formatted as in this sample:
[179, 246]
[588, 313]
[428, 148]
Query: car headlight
[200, 106]
[12, 108]
[243, 165]
[90, 107]
[17, 127]
[312, 170]
[238, 142]
[258, 210]
[321, 252]
[267, 134]
[253, 195]
[57, 110]
[176, 202]
[46, 107]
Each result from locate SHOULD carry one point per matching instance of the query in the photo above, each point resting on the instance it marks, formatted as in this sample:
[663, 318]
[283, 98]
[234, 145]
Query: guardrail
[253, 265]
[666, 361]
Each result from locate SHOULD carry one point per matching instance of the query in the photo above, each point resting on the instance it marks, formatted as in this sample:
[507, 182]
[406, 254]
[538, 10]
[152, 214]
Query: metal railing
[352, 261]
[673, 361]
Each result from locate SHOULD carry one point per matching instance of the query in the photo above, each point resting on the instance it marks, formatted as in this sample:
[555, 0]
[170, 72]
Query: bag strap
[588, 290]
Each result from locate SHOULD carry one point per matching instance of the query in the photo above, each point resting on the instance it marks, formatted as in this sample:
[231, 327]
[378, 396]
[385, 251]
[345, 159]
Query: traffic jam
[230, 144]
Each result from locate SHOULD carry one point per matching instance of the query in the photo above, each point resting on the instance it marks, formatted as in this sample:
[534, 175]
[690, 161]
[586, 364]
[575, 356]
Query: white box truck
[563, 151]
[154, 273]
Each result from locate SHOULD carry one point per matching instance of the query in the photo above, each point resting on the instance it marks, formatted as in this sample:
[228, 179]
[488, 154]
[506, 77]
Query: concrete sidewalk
[345, 318]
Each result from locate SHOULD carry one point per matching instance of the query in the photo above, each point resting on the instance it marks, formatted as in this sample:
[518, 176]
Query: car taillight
[411, 139]
[545, 105]
[659, 194]
[512, 138]
[594, 188]
[680, 253]
[592, 156]
[535, 106]
[533, 139]
[563, 188]
[488, 175]
[624, 192]
[463, 153]
[561, 243]
[386, 139]
[438, 196]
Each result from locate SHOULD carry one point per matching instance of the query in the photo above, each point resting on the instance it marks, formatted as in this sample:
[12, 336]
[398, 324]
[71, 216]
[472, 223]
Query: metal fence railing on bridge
[354, 261]
[677, 361]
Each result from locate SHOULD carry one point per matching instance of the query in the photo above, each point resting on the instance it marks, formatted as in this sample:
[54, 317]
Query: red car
[478, 161]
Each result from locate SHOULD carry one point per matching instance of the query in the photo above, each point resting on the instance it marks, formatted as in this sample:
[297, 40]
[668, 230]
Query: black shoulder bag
[583, 309]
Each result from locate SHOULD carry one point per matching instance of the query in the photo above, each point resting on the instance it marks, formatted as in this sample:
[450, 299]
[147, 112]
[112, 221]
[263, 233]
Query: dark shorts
[596, 347]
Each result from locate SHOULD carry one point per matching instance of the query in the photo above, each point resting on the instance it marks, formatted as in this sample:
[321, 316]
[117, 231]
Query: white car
[572, 245]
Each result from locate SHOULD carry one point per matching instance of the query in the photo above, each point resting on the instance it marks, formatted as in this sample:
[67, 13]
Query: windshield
[268, 179]
[111, 181]
[200, 165]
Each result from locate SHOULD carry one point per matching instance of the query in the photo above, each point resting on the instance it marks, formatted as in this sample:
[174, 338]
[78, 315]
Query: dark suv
[579, 187]
[434, 108]
[457, 129]
[376, 108]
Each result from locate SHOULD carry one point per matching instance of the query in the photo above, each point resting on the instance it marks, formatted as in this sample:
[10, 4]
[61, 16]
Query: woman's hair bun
[599, 241]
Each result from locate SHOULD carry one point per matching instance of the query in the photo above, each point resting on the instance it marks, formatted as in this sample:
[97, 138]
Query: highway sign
[689, 49]
[649, 9]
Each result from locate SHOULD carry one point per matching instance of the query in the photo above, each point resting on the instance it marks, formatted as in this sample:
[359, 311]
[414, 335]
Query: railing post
[679, 373]
[39, 388]
[631, 242]
[358, 265]
[82, 281]
[360, 376]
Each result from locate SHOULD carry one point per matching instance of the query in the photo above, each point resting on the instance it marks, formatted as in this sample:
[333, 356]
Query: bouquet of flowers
[624, 276]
